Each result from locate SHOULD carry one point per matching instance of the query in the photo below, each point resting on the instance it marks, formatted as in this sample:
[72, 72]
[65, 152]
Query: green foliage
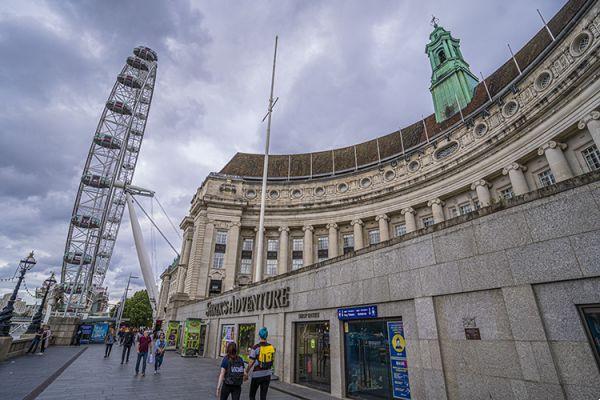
[138, 309]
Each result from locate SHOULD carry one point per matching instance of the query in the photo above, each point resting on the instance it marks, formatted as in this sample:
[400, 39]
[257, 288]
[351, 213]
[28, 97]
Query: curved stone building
[455, 213]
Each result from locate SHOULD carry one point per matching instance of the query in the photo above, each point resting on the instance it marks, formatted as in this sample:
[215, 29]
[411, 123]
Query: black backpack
[235, 372]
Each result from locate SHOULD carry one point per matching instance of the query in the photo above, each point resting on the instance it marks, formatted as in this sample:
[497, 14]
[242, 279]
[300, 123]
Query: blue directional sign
[345, 314]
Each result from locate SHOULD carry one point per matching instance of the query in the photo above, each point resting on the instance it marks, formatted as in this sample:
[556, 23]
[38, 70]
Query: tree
[138, 309]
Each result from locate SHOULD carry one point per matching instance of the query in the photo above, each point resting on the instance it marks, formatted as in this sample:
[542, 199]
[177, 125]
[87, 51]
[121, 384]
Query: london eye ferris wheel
[108, 170]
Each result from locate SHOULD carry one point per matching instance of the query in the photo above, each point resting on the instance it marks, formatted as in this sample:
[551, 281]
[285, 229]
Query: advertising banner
[191, 337]
[172, 335]
[227, 335]
[100, 330]
[398, 365]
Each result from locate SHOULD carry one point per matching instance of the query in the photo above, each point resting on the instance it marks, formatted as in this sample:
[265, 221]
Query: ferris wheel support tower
[108, 170]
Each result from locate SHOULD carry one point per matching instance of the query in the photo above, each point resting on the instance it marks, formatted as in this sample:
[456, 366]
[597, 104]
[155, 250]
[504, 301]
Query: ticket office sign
[398, 364]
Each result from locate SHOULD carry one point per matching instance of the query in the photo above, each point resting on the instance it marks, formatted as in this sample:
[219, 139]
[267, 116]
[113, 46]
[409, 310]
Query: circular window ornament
[510, 108]
[342, 187]
[481, 129]
[274, 194]
[581, 43]
[365, 183]
[543, 80]
[296, 193]
[250, 194]
[414, 166]
[446, 151]
[320, 191]
[389, 175]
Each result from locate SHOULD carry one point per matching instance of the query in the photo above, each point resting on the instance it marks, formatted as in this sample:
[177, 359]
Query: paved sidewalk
[91, 376]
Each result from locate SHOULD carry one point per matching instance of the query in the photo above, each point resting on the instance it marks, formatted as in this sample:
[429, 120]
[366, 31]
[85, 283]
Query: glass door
[246, 334]
[367, 360]
[312, 355]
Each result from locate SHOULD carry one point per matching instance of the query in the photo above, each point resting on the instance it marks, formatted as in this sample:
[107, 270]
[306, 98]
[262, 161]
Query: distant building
[20, 307]
[465, 244]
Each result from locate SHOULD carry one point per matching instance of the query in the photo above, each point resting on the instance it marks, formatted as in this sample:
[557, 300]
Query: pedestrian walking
[142, 348]
[261, 357]
[36, 341]
[121, 335]
[48, 336]
[159, 352]
[109, 340]
[232, 374]
[44, 339]
[128, 339]
[78, 336]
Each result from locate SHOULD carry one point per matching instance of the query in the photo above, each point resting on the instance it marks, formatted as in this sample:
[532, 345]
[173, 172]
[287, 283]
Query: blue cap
[263, 333]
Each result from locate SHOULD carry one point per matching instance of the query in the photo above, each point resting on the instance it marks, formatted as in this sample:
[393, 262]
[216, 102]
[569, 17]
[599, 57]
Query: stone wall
[515, 271]
[63, 329]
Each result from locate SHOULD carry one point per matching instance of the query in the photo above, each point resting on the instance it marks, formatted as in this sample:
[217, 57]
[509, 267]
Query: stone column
[333, 240]
[181, 276]
[359, 243]
[283, 249]
[483, 192]
[437, 210]
[591, 121]
[517, 178]
[231, 255]
[307, 253]
[384, 229]
[185, 259]
[556, 159]
[409, 219]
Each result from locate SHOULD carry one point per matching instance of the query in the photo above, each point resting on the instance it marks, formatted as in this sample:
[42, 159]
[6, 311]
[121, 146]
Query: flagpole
[485, 86]
[514, 59]
[425, 127]
[261, 219]
[459, 109]
[545, 24]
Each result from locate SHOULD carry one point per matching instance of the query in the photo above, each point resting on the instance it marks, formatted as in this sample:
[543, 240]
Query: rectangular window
[590, 315]
[296, 263]
[221, 237]
[297, 244]
[453, 212]
[312, 355]
[273, 245]
[348, 242]
[374, 236]
[592, 157]
[272, 267]
[218, 260]
[246, 266]
[399, 230]
[323, 243]
[546, 178]
[507, 193]
[248, 244]
[465, 208]
[427, 221]
[215, 286]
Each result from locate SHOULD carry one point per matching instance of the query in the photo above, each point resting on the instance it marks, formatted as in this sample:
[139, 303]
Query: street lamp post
[7, 312]
[36, 321]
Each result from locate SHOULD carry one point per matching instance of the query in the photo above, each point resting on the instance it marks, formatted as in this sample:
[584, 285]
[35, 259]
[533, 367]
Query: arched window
[441, 56]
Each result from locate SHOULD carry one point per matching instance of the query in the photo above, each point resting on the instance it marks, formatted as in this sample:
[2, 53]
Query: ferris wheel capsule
[97, 181]
[118, 107]
[85, 221]
[107, 141]
[129, 81]
[136, 132]
[137, 63]
[74, 257]
[140, 116]
[133, 149]
[128, 167]
[146, 53]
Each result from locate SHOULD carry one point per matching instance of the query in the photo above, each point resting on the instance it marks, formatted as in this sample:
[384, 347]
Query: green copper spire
[451, 78]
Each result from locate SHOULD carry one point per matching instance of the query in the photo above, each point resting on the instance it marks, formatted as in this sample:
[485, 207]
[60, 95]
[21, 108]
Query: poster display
[398, 365]
[100, 330]
[227, 335]
[191, 337]
[172, 335]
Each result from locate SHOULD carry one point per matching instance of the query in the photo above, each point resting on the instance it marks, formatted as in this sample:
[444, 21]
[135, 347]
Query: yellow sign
[398, 343]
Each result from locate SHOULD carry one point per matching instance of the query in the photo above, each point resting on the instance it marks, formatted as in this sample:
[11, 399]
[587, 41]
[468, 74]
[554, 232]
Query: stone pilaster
[231, 255]
[592, 122]
[409, 219]
[307, 253]
[283, 249]
[483, 192]
[186, 249]
[359, 242]
[437, 210]
[556, 160]
[197, 265]
[517, 178]
[333, 240]
[384, 228]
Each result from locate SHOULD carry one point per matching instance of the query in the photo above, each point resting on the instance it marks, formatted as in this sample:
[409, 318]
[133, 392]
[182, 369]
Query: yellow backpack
[266, 354]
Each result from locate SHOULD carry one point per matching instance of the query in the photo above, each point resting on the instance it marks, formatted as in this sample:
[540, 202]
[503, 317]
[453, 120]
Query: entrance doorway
[246, 334]
[312, 355]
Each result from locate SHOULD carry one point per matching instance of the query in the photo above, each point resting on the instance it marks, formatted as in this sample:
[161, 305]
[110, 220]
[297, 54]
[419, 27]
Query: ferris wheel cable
[169, 219]
[156, 226]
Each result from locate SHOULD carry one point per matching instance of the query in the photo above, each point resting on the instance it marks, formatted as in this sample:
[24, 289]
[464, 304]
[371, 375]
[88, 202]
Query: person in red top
[142, 348]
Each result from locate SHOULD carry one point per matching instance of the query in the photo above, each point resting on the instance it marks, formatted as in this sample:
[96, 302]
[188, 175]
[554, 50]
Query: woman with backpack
[232, 374]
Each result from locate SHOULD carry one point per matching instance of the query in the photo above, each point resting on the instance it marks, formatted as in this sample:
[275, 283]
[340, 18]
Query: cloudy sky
[347, 71]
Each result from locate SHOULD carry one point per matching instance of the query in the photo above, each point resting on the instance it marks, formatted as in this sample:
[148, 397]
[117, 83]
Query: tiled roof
[353, 157]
